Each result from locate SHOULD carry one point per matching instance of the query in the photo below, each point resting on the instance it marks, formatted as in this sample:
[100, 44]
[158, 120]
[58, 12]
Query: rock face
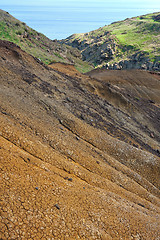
[136, 61]
[94, 50]
[79, 154]
[129, 44]
[103, 54]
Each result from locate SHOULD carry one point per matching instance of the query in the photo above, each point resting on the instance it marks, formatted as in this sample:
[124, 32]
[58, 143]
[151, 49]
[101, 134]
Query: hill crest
[132, 43]
[38, 45]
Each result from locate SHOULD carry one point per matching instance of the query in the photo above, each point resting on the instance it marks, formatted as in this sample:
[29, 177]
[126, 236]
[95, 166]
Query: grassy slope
[130, 36]
[38, 44]
[141, 33]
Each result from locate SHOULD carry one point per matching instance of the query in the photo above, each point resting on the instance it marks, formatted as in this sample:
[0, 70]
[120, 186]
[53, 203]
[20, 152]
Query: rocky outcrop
[95, 50]
[112, 47]
[136, 61]
[157, 18]
[102, 53]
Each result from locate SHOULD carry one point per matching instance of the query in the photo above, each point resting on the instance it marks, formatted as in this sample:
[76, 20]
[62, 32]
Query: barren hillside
[79, 154]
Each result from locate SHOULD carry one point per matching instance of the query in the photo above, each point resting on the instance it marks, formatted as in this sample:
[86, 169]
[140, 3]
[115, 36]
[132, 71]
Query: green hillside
[38, 44]
[134, 41]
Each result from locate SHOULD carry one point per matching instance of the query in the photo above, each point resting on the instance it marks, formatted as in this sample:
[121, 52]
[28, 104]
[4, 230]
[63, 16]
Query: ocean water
[58, 21]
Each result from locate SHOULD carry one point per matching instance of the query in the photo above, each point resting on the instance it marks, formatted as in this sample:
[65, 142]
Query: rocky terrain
[130, 44]
[38, 45]
[79, 154]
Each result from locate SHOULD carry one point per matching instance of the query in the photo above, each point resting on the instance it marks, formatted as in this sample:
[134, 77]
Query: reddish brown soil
[67, 69]
[79, 155]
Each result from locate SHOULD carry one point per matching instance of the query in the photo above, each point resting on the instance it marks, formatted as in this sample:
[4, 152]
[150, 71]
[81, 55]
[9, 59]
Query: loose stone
[57, 206]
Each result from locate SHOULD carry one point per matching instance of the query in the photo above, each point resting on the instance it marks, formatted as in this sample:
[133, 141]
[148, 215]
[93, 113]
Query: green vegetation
[125, 38]
[37, 44]
[83, 68]
[58, 55]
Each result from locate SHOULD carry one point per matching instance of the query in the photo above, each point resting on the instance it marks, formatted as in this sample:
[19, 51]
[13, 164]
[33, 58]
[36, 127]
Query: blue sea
[60, 19]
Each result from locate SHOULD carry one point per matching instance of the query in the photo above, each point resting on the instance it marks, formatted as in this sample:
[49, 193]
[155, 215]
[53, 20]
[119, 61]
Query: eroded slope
[69, 169]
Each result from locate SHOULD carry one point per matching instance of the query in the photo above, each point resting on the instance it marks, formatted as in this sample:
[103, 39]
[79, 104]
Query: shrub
[19, 32]
[17, 24]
